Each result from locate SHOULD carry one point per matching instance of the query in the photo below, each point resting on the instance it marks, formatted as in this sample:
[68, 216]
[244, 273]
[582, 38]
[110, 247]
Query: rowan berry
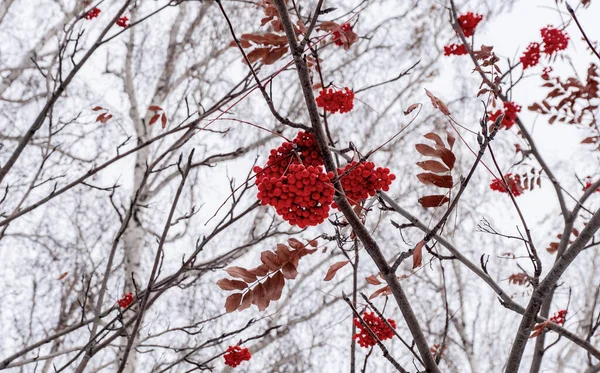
[122, 21]
[126, 300]
[361, 180]
[377, 325]
[235, 355]
[92, 14]
[510, 114]
[554, 40]
[514, 184]
[455, 49]
[333, 100]
[531, 56]
[468, 22]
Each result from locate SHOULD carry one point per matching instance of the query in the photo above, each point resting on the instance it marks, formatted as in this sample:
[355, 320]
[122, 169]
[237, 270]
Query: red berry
[510, 114]
[468, 22]
[554, 40]
[514, 184]
[377, 325]
[126, 300]
[336, 100]
[235, 355]
[531, 56]
[363, 180]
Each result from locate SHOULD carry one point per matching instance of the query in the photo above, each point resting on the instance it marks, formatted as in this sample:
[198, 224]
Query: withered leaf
[441, 181]
[418, 254]
[433, 201]
[333, 270]
[242, 273]
[233, 302]
[228, 284]
[433, 166]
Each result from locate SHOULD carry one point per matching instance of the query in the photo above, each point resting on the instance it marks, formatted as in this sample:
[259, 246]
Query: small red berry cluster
[235, 355]
[361, 180]
[559, 317]
[294, 183]
[92, 14]
[333, 100]
[531, 56]
[510, 114]
[553, 40]
[455, 49]
[588, 184]
[337, 37]
[468, 22]
[514, 184]
[126, 300]
[377, 325]
[122, 21]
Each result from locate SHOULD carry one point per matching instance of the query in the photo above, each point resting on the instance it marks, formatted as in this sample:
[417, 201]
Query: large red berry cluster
[337, 39]
[126, 300]
[468, 22]
[455, 49]
[559, 317]
[554, 39]
[514, 184]
[294, 183]
[334, 100]
[362, 180]
[235, 355]
[531, 56]
[122, 21]
[377, 325]
[92, 14]
[510, 114]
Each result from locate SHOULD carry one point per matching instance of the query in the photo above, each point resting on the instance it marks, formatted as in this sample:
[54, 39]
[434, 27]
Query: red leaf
[247, 300]
[242, 273]
[434, 137]
[380, 292]
[373, 280]
[283, 252]
[277, 283]
[154, 119]
[437, 103]
[228, 284]
[260, 271]
[97, 108]
[295, 244]
[590, 140]
[274, 55]
[260, 298]
[333, 270]
[441, 181]
[233, 302]
[270, 260]
[433, 166]
[418, 254]
[447, 156]
[154, 108]
[163, 120]
[289, 271]
[433, 201]
[450, 139]
[426, 150]
[62, 276]
[411, 108]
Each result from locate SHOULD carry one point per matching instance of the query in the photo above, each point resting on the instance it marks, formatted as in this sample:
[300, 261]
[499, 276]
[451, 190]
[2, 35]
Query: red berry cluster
[336, 100]
[92, 14]
[554, 40]
[468, 22]
[377, 325]
[588, 184]
[126, 300]
[455, 49]
[362, 180]
[514, 184]
[531, 56]
[235, 355]
[337, 39]
[294, 182]
[122, 21]
[510, 114]
[559, 317]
